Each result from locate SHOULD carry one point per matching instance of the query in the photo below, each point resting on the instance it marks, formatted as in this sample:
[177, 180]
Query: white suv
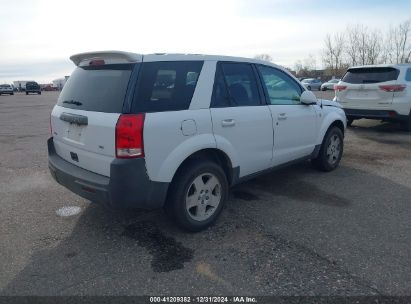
[175, 131]
[376, 92]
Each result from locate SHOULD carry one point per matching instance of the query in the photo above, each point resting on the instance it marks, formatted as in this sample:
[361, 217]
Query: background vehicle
[33, 87]
[329, 85]
[312, 83]
[176, 131]
[6, 89]
[377, 92]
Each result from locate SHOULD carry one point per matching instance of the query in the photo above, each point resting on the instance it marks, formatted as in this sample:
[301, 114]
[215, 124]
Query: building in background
[60, 82]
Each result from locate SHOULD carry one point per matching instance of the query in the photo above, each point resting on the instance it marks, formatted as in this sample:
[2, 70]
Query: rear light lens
[393, 87]
[129, 136]
[97, 62]
[339, 87]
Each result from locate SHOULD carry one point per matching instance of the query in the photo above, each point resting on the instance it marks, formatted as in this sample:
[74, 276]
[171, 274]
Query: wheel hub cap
[203, 196]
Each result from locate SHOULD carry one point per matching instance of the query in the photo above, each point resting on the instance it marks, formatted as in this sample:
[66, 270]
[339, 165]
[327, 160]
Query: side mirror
[308, 98]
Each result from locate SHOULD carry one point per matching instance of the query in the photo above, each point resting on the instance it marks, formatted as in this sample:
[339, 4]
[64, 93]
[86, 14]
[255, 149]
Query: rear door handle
[228, 123]
[282, 116]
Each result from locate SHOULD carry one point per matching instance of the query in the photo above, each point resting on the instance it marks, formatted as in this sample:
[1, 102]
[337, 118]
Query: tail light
[129, 136]
[393, 87]
[339, 88]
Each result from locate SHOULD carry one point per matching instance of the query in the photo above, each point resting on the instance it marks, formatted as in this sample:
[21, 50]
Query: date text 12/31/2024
[238, 299]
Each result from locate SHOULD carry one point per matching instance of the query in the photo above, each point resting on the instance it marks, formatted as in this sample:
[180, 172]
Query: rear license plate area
[74, 132]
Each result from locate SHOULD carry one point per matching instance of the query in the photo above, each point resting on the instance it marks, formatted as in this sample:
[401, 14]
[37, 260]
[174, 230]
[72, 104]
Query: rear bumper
[374, 114]
[127, 187]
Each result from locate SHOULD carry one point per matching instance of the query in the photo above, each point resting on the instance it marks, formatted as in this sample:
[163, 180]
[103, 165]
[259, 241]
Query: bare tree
[375, 47]
[399, 38]
[333, 53]
[352, 42]
[265, 57]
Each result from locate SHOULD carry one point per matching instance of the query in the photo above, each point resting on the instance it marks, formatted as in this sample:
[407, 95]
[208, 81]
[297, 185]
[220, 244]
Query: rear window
[370, 75]
[166, 86]
[97, 88]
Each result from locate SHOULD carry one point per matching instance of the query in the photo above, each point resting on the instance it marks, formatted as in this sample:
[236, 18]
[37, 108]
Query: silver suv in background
[312, 83]
[377, 92]
[6, 89]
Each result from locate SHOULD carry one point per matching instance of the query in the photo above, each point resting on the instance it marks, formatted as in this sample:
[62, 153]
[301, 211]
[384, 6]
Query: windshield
[97, 88]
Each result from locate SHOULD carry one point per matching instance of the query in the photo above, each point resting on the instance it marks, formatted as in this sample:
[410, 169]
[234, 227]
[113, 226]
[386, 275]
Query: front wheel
[309, 88]
[197, 195]
[331, 150]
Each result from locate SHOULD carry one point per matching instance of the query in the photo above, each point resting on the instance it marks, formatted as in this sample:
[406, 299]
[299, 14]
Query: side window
[408, 75]
[166, 86]
[281, 88]
[220, 94]
[241, 84]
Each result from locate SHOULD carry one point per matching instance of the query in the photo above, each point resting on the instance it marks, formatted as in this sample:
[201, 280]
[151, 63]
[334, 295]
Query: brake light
[393, 87]
[97, 62]
[339, 88]
[129, 136]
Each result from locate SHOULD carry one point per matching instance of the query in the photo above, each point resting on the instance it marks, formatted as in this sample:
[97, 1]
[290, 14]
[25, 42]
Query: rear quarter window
[408, 75]
[370, 75]
[97, 88]
[166, 86]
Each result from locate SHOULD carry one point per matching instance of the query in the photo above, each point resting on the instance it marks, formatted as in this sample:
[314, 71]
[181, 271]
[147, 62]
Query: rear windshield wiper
[74, 102]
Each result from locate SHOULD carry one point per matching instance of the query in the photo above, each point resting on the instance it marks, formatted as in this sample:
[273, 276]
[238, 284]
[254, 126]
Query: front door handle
[228, 123]
[282, 116]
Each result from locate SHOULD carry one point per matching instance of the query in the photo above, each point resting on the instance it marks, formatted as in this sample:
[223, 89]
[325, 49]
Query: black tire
[322, 162]
[11, 93]
[407, 124]
[309, 88]
[27, 93]
[349, 122]
[324, 89]
[183, 183]
[39, 93]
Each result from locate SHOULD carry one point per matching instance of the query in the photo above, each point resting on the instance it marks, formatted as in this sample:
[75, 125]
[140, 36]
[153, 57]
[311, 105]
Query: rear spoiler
[117, 56]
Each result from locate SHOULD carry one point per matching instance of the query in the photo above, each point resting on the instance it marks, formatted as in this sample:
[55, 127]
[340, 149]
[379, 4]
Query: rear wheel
[331, 150]
[197, 195]
[349, 121]
[27, 93]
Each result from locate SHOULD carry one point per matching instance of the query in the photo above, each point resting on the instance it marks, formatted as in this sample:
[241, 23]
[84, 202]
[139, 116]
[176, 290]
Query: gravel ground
[293, 232]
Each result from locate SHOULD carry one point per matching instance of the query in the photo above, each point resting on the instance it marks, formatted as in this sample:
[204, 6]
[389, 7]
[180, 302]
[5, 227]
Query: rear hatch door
[85, 117]
[362, 87]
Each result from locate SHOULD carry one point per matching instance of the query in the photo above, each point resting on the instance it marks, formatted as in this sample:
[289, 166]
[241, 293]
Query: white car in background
[176, 131]
[380, 92]
[329, 85]
[6, 89]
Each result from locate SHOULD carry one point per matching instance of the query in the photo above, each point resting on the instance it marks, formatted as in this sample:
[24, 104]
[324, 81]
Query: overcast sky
[37, 37]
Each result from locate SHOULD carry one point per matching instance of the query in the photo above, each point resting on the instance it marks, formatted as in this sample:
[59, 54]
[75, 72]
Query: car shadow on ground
[142, 252]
